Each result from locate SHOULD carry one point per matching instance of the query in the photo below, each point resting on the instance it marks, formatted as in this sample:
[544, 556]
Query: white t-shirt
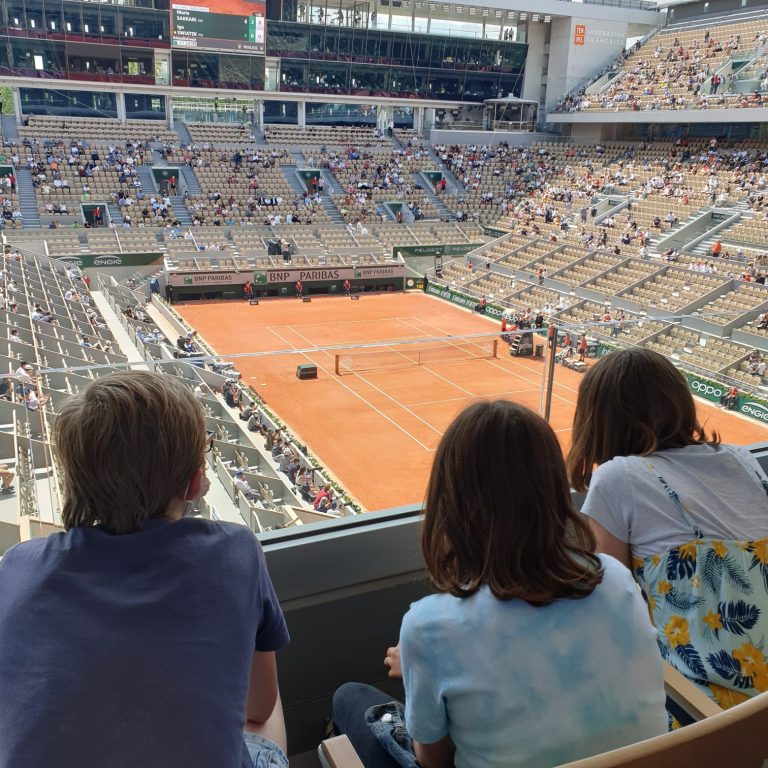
[720, 489]
[515, 685]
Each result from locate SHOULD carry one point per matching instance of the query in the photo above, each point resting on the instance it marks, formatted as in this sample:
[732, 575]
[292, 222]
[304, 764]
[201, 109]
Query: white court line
[335, 378]
[428, 368]
[514, 373]
[456, 399]
[382, 392]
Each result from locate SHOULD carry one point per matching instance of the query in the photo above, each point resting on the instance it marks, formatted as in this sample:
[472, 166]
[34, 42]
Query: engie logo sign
[579, 34]
[755, 410]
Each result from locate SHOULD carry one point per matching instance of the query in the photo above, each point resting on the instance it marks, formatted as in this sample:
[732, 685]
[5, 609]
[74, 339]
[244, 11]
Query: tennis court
[375, 424]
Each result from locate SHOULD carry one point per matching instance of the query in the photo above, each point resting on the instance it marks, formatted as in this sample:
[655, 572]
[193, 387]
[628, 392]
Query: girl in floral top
[688, 516]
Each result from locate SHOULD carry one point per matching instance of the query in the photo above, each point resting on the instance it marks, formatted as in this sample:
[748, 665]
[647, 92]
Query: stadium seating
[674, 70]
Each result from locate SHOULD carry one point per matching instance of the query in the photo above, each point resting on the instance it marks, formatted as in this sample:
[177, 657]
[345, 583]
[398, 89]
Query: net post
[495, 352]
[337, 364]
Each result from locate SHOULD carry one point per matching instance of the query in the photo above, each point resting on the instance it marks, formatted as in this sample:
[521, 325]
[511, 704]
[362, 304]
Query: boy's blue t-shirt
[133, 650]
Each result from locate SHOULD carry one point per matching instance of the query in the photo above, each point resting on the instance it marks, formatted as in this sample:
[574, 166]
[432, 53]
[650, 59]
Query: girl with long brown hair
[535, 651]
[688, 515]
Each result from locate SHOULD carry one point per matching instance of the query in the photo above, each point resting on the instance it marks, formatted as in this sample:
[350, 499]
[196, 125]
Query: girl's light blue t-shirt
[515, 685]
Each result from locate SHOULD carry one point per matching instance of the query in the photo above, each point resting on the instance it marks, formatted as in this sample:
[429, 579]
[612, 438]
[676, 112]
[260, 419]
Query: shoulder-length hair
[499, 513]
[127, 445]
[631, 403]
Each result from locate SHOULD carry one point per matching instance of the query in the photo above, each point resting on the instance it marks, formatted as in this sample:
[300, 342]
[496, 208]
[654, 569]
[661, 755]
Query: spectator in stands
[527, 620]
[323, 492]
[681, 511]
[25, 379]
[6, 475]
[32, 402]
[144, 645]
[244, 487]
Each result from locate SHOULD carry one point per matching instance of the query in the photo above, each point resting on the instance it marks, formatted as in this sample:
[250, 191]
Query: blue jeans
[264, 753]
[350, 703]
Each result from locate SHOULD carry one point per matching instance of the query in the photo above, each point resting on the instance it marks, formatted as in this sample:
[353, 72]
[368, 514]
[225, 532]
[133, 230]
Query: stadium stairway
[332, 183]
[181, 128]
[190, 179]
[334, 214]
[292, 177]
[449, 177]
[180, 212]
[289, 171]
[443, 211]
[115, 214]
[147, 179]
[10, 129]
[25, 189]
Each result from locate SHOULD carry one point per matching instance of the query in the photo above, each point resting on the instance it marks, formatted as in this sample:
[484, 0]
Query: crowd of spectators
[680, 72]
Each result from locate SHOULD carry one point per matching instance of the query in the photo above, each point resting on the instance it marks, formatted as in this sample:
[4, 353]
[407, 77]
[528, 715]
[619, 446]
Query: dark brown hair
[631, 403]
[127, 445]
[499, 511]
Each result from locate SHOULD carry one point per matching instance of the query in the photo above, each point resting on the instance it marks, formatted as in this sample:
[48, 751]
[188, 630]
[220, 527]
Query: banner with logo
[495, 232]
[203, 279]
[750, 405]
[323, 274]
[103, 261]
[456, 297]
[447, 249]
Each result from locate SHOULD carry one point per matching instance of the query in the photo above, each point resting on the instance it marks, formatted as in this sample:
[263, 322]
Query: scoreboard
[216, 28]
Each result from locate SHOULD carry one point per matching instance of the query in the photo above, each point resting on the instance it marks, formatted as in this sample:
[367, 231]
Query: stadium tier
[336, 226]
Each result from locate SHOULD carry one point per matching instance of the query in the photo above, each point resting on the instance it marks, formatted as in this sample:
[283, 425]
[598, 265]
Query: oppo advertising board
[220, 25]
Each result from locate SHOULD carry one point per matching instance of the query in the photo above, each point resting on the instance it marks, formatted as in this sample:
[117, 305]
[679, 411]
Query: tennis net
[406, 356]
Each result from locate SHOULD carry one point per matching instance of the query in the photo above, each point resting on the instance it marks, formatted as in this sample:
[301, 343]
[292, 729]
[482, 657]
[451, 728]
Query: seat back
[733, 737]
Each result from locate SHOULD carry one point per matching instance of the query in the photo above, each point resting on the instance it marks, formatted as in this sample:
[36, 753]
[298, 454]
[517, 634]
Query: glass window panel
[203, 69]
[73, 24]
[108, 22]
[317, 42]
[293, 76]
[144, 106]
[358, 45]
[91, 25]
[35, 57]
[94, 62]
[479, 87]
[281, 112]
[328, 77]
[17, 17]
[137, 63]
[54, 19]
[35, 19]
[234, 71]
[41, 101]
[369, 81]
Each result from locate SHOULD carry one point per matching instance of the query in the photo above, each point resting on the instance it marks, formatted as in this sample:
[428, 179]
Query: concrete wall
[534, 62]
[578, 49]
[694, 10]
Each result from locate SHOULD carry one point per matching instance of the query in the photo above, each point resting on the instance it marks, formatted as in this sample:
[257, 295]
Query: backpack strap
[675, 499]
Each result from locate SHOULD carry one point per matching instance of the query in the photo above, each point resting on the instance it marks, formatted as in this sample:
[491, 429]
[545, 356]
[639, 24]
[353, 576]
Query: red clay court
[376, 430]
